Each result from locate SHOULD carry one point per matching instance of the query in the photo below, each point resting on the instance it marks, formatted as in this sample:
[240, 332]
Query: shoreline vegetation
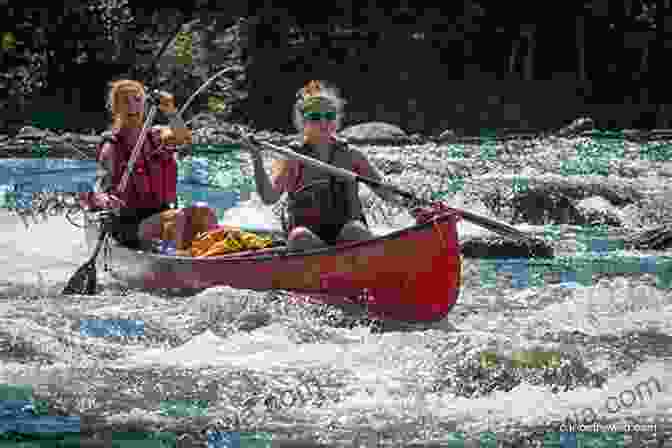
[33, 142]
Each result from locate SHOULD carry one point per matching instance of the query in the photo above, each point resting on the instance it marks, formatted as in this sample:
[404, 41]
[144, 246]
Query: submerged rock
[495, 246]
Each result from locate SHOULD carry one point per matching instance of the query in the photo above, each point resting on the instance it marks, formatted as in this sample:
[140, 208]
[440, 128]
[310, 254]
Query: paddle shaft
[482, 221]
[136, 150]
[99, 245]
[201, 88]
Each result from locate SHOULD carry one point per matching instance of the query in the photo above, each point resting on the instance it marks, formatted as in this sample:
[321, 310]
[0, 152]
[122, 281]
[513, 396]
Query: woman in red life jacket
[151, 191]
[321, 208]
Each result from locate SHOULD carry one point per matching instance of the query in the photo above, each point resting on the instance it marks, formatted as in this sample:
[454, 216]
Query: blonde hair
[113, 98]
[317, 89]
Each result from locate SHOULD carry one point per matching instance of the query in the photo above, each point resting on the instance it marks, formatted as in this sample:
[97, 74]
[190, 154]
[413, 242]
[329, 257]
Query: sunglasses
[317, 116]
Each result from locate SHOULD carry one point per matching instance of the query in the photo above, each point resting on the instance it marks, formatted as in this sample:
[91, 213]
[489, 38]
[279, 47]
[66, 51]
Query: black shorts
[126, 226]
[329, 232]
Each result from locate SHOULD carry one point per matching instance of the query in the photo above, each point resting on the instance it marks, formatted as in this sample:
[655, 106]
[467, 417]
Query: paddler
[143, 210]
[321, 209]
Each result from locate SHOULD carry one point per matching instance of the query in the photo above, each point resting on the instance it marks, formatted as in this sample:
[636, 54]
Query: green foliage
[30, 56]
[184, 50]
[192, 59]
[8, 40]
[216, 104]
[24, 80]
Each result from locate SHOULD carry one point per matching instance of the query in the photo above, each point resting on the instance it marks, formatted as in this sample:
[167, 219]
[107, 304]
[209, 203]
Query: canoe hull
[412, 274]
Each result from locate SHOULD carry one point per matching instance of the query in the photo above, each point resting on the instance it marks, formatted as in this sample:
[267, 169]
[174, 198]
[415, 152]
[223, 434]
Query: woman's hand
[93, 200]
[170, 136]
[110, 201]
[167, 103]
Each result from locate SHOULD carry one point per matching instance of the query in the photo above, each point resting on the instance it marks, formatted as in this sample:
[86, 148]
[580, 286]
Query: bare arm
[103, 196]
[177, 132]
[269, 192]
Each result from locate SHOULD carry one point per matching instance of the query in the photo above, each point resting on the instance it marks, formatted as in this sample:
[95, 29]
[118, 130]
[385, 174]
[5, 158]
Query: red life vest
[154, 180]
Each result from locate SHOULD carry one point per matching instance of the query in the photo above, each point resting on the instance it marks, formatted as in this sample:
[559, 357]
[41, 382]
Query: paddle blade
[83, 281]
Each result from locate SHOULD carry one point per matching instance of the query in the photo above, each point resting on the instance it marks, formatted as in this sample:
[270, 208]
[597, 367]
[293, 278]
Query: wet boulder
[598, 210]
[375, 132]
[33, 133]
[447, 136]
[539, 206]
[577, 127]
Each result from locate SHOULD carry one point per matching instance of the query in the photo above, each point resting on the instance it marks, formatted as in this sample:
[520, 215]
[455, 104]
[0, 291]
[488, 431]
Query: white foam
[252, 214]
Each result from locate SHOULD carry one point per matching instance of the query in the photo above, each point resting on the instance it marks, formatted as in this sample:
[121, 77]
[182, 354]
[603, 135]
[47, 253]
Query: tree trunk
[644, 65]
[529, 33]
[660, 62]
[514, 55]
[581, 47]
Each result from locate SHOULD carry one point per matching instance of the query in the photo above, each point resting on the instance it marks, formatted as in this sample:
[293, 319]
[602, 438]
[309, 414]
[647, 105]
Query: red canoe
[412, 274]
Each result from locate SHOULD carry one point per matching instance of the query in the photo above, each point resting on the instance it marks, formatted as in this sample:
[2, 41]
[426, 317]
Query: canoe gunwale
[403, 275]
[282, 252]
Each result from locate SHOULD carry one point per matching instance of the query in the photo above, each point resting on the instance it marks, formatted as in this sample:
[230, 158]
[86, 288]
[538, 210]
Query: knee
[303, 238]
[150, 228]
[201, 217]
[299, 233]
[354, 231]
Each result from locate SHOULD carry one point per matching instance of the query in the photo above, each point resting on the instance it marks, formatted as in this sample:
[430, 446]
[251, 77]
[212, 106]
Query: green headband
[318, 104]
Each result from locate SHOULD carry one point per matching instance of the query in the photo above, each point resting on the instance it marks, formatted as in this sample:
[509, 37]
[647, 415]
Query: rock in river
[375, 132]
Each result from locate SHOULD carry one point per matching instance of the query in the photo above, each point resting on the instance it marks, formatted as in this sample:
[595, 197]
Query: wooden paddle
[487, 223]
[84, 280]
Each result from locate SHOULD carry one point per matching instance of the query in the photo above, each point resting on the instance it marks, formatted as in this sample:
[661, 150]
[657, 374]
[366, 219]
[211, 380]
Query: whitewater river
[187, 369]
